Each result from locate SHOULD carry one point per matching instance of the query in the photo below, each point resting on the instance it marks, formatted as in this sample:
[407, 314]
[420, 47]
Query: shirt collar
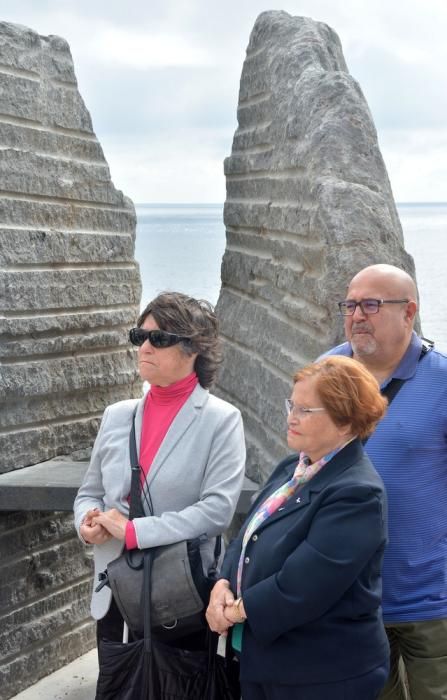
[408, 363]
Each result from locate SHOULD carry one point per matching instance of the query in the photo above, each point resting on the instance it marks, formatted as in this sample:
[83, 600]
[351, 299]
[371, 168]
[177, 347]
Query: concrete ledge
[50, 485]
[53, 485]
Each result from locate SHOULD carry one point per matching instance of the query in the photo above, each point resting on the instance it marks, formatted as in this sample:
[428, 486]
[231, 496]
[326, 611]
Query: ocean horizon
[179, 246]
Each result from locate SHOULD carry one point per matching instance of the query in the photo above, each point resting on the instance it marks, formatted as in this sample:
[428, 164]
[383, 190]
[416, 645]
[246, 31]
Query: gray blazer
[194, 481]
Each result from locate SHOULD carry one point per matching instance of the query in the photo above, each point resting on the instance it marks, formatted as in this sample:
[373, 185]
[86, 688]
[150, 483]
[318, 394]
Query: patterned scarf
[302, 474]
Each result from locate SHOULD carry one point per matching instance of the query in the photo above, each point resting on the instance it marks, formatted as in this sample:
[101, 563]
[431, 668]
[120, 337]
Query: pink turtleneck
[161, 407]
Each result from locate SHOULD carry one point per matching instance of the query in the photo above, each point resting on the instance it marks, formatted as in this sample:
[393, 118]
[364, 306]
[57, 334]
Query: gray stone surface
[50, 486]
[53, 485]
[45, 582]
[69, 291]
[308, 204]
[69, 283]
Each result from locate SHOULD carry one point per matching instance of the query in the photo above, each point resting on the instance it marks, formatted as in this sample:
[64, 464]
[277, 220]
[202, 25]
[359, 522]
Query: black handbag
[147, 669]
[179, 587]
[223, 672]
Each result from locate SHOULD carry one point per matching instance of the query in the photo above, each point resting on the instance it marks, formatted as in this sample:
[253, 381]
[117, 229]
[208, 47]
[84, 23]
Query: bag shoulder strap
[395, 385]
[392, 389]
[136, 509]
[212, 571]
[427, 345]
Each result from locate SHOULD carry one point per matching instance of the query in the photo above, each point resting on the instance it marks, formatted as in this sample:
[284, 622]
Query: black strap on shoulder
[136, 509]
[392, 388]
[427, 345]
[395, 385]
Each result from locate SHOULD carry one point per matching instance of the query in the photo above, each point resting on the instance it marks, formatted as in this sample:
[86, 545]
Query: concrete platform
[76, 681]
[50, 485]
[53, 486]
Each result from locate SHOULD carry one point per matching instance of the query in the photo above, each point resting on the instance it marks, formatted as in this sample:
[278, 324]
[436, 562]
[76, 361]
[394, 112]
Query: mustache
[361, 326]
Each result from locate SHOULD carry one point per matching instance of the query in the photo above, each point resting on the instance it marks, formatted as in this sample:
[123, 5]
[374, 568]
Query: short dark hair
[178, 313]
[348, 392]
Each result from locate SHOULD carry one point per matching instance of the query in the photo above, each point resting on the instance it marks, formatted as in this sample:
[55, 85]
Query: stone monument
[69, 290]
[69, 282]
[308, 204]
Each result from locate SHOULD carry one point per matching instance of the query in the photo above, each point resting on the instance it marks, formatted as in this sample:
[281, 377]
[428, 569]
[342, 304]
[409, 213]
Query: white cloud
[417, 165]
[161, 81]
[185, 167]
[140, 50]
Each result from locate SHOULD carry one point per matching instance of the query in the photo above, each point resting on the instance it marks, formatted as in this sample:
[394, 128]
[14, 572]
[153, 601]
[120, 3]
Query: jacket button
[254, 538]
[247, 560]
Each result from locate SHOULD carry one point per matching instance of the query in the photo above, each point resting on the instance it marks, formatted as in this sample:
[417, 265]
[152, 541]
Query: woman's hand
[235, 613]
[113, 522]
[93, 533]
[221, 597]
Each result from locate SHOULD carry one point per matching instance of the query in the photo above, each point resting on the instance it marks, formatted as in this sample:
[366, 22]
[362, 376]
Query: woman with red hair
[300, 586]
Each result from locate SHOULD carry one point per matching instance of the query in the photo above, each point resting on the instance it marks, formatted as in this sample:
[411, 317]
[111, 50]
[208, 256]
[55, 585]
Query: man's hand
[113, 522]
[221, 597]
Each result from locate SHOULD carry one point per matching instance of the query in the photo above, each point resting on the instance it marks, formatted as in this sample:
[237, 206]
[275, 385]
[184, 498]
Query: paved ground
[77, 681]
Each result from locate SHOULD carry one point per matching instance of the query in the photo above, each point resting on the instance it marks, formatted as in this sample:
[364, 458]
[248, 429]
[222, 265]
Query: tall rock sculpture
[308, 204]
[69, 289]
[70, 286]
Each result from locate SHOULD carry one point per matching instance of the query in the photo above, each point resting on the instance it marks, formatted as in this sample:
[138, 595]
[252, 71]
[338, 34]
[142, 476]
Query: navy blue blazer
[311, 582]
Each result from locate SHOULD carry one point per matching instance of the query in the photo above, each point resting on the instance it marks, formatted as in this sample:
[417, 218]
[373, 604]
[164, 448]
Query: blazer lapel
[187, 414]
[298, 500]
[342, 460]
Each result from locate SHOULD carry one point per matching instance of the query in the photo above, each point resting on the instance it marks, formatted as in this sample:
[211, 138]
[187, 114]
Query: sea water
[425, 235]
[180, 247]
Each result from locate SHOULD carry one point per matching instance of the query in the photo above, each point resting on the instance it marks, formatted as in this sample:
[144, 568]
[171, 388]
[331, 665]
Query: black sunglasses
[158, 339]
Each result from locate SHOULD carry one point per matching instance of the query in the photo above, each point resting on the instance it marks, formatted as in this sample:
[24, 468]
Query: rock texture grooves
[45, 587]
[69, 285]
[69, 290]
[308, 204]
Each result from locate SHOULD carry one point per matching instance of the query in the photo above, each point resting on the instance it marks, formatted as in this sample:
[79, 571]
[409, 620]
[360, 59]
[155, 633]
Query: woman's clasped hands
[97, 527]
[222, 613]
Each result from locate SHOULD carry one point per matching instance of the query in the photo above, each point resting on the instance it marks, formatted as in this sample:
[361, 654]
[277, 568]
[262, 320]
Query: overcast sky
[161, 79]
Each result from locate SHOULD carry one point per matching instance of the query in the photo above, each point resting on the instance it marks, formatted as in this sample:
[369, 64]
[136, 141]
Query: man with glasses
[409, 451]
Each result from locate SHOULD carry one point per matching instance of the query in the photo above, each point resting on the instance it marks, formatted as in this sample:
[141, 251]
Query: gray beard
[365, 347]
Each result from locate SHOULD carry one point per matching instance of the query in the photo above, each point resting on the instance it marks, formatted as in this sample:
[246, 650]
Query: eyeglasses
[368, 306]
[158, 339]
[300, 411]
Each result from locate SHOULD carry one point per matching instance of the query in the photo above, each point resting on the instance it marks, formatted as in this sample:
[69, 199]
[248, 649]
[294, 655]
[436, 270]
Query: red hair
[348, 391]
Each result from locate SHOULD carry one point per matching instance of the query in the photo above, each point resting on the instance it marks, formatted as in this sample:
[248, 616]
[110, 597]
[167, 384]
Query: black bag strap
[395, 385]
[212, 571]
[147, 574]
[392, 388]
[427, 345]
[136, 509]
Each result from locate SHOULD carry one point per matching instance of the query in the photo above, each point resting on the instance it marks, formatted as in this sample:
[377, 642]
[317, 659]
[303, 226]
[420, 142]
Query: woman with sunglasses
[300, 586]
[190, 445]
